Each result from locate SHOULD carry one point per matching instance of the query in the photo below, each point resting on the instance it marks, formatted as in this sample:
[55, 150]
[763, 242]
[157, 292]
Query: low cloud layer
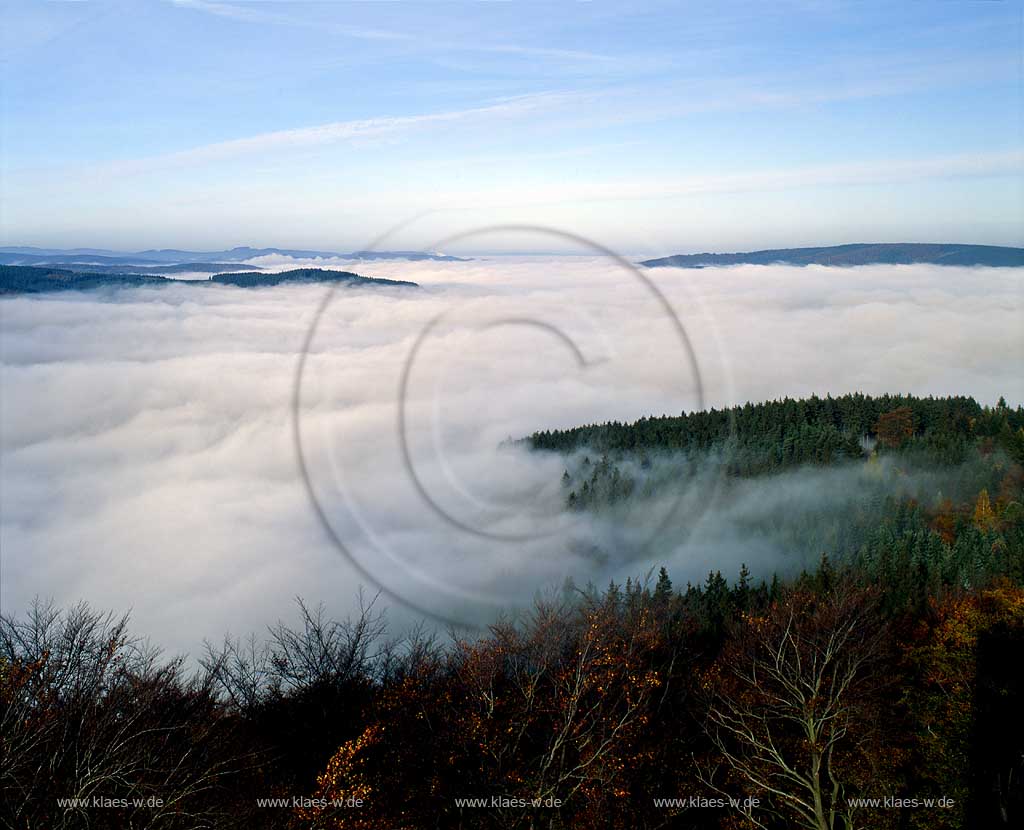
[148, 459]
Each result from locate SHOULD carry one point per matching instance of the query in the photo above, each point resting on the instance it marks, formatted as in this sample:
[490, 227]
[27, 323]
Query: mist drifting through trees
[799, 702]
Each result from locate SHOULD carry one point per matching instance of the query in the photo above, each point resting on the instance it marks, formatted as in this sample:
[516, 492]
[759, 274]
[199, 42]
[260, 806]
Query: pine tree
[613, 596]
[663, 588]
[741, 593]
[825, 575]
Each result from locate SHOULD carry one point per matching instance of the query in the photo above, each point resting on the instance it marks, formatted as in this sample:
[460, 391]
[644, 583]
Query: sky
[652, 128]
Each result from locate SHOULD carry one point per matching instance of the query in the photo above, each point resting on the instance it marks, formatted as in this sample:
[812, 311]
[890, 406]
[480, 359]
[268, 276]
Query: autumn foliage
[553, 709]
[946, 655]
[577, 715]
[895, 427]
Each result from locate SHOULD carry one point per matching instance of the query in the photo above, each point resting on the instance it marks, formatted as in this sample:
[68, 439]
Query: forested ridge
[886, 669]
[253, 279]
[931, 496]
[888, 253]
[18, 279]
[766, 436]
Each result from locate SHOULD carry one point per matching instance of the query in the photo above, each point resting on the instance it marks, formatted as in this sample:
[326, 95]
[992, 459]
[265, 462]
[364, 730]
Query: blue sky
[654, 128]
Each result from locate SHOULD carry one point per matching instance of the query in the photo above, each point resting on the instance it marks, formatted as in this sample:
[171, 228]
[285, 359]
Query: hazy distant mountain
[245, 252]
[22, 255]
[8, 257]
[179, 268]
[18, 279]
[899, 253]
[107, 268]
[412, 255]
[28, 249]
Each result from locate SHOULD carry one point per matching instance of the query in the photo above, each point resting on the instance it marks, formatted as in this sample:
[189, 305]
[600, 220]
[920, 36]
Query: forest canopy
[884, 674]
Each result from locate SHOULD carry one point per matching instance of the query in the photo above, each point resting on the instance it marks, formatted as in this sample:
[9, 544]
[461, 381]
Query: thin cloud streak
[234, 12]
[331, 133]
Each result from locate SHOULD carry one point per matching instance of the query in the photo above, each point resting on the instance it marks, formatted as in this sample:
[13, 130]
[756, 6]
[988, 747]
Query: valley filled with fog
[149, 442]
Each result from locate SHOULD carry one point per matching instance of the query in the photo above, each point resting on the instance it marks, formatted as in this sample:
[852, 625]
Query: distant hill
[30, 257]
[107, 268]
[180, 268]
[256, 279]
[243, 253]
[18, 279]
[899, 253]
[22, 255]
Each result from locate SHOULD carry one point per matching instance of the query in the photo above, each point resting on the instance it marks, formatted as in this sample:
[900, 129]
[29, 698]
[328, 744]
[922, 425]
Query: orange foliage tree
[544, 718]
[893, 428]
[984, 516]
[942, 703]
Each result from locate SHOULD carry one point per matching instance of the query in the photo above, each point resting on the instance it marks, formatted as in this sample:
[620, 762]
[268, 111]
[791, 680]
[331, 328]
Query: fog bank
[148, 457]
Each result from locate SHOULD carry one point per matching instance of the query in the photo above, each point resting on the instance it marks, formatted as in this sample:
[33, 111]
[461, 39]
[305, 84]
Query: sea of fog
[151, 449]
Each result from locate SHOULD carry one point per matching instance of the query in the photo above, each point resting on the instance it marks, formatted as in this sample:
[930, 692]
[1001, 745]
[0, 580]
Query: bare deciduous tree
[789, 707]
[87, 711]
